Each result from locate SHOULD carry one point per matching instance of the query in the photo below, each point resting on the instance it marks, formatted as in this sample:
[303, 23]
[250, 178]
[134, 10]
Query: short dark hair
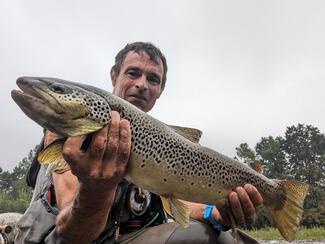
[153, 52]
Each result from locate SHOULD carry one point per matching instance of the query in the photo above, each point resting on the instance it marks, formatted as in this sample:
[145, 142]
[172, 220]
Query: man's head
[139, 74]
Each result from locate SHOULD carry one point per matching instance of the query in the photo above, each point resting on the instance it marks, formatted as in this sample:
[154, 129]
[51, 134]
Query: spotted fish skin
[161, 161]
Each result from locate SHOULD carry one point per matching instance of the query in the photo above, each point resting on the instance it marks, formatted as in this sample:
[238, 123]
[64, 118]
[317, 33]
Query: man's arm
[85, 195]
[242, 204]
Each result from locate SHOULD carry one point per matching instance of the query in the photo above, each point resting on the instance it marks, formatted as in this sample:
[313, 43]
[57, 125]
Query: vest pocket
[37, 222]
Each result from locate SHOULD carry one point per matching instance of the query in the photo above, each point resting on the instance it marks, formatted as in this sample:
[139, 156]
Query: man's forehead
[142, 58]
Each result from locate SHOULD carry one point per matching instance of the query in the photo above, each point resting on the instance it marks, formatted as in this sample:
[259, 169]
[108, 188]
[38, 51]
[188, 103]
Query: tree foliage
[15, 195]
[298, 155]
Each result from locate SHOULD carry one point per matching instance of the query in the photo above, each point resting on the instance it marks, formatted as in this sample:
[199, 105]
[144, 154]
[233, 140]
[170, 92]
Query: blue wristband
[208, 216]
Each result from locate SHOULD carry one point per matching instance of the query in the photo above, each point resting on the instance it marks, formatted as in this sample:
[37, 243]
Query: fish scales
[164, 159]
[201, 169]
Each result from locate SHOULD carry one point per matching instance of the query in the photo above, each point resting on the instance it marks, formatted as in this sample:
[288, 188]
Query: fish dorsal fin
[194, 135]
[52, 155]
[257, 166]
[178, 210]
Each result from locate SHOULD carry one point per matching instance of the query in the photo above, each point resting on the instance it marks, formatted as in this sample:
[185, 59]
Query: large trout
[165, 160]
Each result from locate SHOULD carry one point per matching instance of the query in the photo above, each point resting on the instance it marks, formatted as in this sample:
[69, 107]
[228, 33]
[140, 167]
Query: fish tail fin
[287, 209]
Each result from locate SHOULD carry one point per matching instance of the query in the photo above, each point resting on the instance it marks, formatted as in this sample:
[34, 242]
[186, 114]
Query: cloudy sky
[238, 70]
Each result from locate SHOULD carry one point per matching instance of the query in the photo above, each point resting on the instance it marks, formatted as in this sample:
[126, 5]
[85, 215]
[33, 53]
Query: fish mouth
[35, 107]
[37, 104]
[32, 105]
[27, 89]
[30, 92]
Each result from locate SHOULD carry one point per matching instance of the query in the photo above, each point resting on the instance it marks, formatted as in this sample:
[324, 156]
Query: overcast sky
[238, 70]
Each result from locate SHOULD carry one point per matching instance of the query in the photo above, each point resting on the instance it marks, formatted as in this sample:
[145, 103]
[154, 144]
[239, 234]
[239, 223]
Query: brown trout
[166, 160]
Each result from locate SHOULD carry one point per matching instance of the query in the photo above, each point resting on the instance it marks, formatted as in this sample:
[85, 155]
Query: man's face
[139, 81]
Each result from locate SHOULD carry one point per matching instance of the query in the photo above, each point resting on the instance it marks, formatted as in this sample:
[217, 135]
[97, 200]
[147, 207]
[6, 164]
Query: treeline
[15, 195]
[298, 155]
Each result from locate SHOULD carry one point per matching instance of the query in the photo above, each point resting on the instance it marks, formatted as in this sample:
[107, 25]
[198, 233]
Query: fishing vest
[132, 210]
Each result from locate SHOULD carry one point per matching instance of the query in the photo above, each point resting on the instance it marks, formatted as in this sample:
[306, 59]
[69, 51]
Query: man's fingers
[98, 144]
[224, 214]
[236, 208]
[247, 205]
[124, 143]
[71, 150]
[113, 135]
[254, 195]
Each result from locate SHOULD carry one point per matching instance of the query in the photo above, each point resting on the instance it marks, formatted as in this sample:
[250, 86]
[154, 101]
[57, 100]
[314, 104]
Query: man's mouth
[137, 97]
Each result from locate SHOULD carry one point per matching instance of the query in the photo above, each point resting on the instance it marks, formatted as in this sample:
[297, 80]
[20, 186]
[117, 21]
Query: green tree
[305, 149]
[15, 195]
[269, 151]
[245, 153]
[299, 155]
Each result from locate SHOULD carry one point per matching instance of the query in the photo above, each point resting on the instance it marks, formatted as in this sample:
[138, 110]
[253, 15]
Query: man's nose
[142, 83]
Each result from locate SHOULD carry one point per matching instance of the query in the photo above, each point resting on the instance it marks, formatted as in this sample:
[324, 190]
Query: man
[85, 191]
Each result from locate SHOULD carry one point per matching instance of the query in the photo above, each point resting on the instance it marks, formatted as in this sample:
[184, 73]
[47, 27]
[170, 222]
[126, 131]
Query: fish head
[63, 108]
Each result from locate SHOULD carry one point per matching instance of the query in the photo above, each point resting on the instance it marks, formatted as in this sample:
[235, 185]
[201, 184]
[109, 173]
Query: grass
[315, 233]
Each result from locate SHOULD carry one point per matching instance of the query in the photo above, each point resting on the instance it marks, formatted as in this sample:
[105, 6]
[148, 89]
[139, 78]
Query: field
[307, 234]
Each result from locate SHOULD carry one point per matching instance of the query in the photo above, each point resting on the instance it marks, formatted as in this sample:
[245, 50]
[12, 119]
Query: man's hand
[103, 164]
[242, 205]
[86, 193]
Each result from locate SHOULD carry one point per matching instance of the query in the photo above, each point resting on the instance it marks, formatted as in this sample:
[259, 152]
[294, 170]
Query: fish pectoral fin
[178, 210]
[192, 134]
[257, 166]
[166, 206]
[52, 155]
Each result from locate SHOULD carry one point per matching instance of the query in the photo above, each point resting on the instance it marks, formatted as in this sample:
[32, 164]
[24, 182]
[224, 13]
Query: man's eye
[133, 74]
[154, 80]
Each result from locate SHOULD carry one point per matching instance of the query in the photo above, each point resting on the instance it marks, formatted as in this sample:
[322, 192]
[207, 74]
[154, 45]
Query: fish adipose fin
[178, 210]
[52, 155]
[288, 208]
[192, 134]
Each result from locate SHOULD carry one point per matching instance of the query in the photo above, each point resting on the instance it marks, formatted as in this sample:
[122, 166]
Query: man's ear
[113, 77]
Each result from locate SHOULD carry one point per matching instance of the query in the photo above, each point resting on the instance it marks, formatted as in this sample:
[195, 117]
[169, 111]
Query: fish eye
[57, 88]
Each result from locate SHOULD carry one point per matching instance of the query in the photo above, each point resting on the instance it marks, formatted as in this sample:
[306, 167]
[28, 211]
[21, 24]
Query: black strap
[34, 168]
[119, 210]
[114, 216]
